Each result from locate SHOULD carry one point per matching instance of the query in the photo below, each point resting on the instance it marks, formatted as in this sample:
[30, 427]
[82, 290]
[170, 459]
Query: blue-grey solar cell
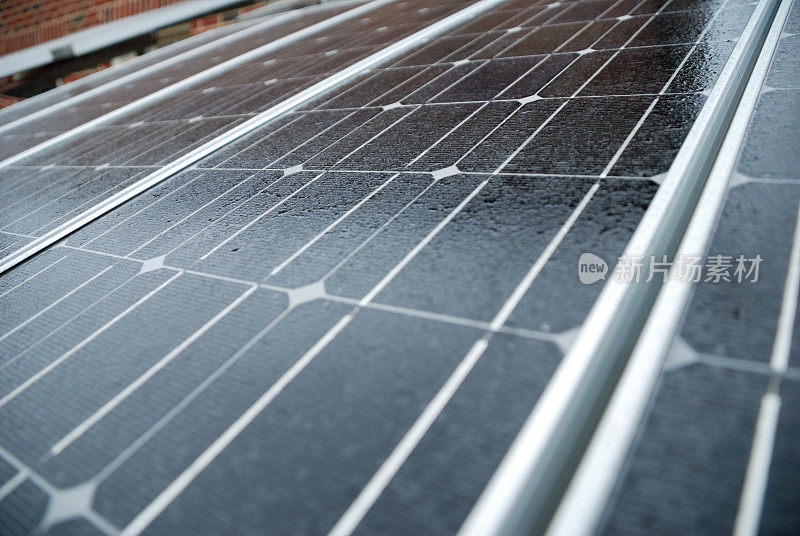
[687, 468]
[780, 515]
[168, 128]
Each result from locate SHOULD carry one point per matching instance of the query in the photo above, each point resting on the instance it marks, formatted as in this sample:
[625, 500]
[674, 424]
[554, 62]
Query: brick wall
[219, 19]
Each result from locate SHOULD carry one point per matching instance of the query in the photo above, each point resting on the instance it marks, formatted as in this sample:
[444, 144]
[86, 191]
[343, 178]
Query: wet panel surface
[168, 128]
[780, 515]
[271, 323]
[739, 319]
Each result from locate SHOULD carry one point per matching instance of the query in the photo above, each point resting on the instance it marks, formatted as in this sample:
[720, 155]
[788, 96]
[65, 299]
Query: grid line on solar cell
[761, 19]
[94, 80]
[172, 491]
[389, 468]
[75, 116]
[692, 354]
[546, 336]
[654, 94]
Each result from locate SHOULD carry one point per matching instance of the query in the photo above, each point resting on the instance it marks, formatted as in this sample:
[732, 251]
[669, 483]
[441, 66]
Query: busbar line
[166, 63]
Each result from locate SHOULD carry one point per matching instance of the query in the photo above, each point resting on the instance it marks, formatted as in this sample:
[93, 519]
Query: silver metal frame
[111, 33]
[198, 77]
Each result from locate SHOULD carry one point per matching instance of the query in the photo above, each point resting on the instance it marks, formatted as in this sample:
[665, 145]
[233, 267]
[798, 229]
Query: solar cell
[340, 320]
[97, 144]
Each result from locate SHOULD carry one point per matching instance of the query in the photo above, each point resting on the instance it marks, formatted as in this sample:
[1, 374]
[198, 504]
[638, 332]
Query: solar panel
[99, 144]
[727, 384]
[93, 81]
[339, 317]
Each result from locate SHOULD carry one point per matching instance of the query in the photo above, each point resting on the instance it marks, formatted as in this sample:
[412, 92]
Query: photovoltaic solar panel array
[339, 321]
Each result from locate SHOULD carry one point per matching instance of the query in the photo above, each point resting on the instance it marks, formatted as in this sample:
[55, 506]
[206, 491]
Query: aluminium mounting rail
[524, 492]
[235, 133]
[591, 487]
[163, 64]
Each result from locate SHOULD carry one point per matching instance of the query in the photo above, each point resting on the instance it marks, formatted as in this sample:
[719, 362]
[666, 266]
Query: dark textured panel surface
[564, 146]
[369, 263]
[326, 440]
[772, 137]
[168, 128]
[152, 407]
[445, 475]
[685, 473]
[505, 138]
[409, 138]
[7, 471]
[74, 527]
[54, 204]
[793, 20]
[638, 70]
[44, 100]
[49, 409]
[739, 319]
[505, 228]
[465, 137]
[658, 140]
[780, 515]
[784, 71]
[142, 341]
[48, 126]
[332, 250]
[22, 509]
[556, 301]
[175, 444]
[262, 243]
